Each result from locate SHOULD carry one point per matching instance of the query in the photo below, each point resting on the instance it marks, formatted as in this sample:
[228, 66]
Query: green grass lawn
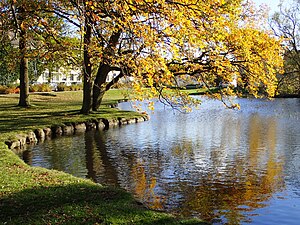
[52, 109]
[31, 195]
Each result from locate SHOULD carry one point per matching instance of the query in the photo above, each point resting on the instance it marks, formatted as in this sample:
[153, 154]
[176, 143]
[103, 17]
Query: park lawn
[53, 108]
[32, 195]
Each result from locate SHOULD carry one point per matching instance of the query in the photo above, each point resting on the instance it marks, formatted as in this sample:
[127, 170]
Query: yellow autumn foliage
[213, 41]
[163, 44]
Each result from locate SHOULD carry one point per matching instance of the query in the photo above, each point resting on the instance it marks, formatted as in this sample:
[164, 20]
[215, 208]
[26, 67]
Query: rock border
[40, 134]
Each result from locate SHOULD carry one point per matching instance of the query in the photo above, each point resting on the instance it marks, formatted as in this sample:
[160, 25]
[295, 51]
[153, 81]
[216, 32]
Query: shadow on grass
[19, 121]
[14, 107]
[47, 94]
[79, 204]
[5, 96]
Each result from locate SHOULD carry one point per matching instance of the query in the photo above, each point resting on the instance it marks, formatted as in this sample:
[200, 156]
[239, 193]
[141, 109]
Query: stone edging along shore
[39, 135]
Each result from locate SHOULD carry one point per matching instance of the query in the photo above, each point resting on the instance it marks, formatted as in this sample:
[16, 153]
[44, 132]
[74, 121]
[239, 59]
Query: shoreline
[39, 189]
[35, 195]
[34, 136]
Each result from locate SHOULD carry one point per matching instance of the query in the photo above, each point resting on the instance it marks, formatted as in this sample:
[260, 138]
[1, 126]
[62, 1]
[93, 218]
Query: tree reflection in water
[226, 186]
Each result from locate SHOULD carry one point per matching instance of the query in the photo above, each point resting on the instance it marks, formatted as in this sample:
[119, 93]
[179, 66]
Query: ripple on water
[224, 166]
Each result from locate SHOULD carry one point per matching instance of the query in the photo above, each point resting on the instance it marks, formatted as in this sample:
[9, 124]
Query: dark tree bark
[24, 82]
[99, 87]
[87, 71]
[49, 76]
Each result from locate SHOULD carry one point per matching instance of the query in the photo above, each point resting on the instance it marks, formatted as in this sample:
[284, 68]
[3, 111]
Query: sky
[273, 4]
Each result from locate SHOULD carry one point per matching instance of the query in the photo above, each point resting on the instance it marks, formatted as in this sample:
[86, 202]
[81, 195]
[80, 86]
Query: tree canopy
[156, 44]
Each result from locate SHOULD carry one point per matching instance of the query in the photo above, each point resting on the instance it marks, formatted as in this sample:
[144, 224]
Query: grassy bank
[39, 196]
[54, 108]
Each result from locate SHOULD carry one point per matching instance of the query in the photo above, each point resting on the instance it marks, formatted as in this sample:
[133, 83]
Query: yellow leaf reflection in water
[144, 187]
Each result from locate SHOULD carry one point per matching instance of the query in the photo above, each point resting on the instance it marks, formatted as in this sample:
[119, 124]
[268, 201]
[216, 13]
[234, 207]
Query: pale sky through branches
[272, 4]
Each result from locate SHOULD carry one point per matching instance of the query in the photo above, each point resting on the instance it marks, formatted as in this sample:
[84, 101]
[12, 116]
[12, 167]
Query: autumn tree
[13, 19]
[286, 23]
[8, 69]
[37, 32]
[158, 43]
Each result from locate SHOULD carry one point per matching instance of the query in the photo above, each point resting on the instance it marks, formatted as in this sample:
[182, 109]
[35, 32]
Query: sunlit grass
[39, 196]
[54, 108]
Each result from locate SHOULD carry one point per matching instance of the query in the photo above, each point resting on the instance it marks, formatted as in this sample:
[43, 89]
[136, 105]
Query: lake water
[224, 166]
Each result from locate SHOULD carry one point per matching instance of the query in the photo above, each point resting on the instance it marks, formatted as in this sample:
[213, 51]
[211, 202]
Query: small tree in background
[38, 32]
[286, 23]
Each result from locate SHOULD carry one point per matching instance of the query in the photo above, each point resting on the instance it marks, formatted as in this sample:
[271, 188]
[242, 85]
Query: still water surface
[220, 165]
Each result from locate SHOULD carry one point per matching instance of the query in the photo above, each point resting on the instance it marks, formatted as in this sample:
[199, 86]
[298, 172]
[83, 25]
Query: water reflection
[59, 155]
[220, 165]
[232, 183]
[98, 162]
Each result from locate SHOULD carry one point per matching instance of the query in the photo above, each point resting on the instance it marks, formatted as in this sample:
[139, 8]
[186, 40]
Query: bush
[75, 87]
[63, 87]
[45, 88]
[17, 90]
[34, 88]
[40, 88]
[59, 87]
[2, 89]
[11, 89]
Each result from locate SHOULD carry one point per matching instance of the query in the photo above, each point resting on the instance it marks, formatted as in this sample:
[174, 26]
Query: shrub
[11, 89]
[34, 88]
[40, 88]
[45, 88]
[2, 89]
[63, 87]
[76, 87]
[17, 90]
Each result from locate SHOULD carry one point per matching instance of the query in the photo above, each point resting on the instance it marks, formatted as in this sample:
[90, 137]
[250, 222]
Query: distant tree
[37, 32]
[14, 26]
[8, 67]
[286, 23]
[67, 57]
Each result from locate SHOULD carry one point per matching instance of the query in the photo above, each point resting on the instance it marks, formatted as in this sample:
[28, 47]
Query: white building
[113, 74]
[61, 75]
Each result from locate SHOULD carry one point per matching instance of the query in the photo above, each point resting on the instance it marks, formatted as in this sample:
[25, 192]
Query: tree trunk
[98, 94]
[298, 81]
[24, 86]
[87, 96]
[87, 71]
[24, 82]
[49, 76]
[99, 87]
